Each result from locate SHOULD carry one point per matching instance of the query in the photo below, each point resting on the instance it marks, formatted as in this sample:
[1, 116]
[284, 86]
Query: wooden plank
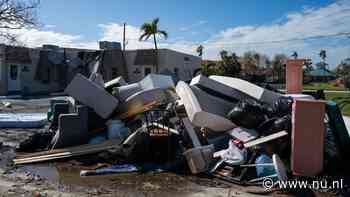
[265, 139]
[142, 109]
[65, 153]
[68, 149]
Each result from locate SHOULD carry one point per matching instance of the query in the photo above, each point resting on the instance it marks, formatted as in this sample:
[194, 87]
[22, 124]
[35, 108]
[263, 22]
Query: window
[114, 72]
[186, 59]
[176, 72]
[13, 72]
[148, 71]
[25, 69]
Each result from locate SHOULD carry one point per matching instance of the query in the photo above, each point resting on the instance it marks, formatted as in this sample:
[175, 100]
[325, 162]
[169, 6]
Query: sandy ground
[62, 178]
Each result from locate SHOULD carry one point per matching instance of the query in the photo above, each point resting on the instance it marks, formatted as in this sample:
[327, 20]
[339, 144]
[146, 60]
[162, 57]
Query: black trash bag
[248, 114]
[274, 125]
[283, 106]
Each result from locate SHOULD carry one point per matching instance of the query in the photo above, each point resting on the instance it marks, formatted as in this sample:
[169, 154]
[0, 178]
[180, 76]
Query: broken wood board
[136, 111]
[66, 153]
[265, 139]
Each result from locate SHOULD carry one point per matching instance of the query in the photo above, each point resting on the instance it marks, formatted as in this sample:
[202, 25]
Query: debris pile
[224, 127]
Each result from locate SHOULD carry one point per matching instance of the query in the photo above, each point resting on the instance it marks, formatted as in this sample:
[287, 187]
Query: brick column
[294, 76]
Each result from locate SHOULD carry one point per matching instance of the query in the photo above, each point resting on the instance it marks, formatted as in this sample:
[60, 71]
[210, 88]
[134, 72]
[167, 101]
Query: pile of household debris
[226, 127]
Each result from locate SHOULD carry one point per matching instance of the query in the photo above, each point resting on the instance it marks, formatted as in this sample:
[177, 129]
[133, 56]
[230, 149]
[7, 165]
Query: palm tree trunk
[155, 52]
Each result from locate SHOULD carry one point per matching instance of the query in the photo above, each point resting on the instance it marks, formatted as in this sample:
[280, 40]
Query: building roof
[19, 55]
[321, 72]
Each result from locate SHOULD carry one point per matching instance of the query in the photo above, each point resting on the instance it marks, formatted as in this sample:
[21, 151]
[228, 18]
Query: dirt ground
[62, 178]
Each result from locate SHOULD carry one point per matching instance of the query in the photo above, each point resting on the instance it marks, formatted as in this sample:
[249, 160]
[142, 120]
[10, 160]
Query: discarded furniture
[140, 102]
[150, 82]
[92, 95]
[253, 90]
[58, 109]
[204, 110]
[218, 89]
[307, 137]
[123, 92]
[198, 157]
[153, 81]
[119, 81]
[72, 129]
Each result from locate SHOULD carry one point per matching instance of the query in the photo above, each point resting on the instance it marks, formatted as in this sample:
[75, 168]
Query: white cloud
[36, 38]
[194, 25]
[331, 19]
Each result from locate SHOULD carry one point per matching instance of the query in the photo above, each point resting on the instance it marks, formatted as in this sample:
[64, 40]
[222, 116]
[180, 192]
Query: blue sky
[217, 25]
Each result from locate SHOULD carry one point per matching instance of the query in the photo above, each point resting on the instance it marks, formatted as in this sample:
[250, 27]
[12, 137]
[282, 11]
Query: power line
[281, 41]
[213, 43]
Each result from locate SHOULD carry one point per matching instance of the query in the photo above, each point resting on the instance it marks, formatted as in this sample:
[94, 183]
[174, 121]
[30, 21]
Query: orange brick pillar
[294, 76]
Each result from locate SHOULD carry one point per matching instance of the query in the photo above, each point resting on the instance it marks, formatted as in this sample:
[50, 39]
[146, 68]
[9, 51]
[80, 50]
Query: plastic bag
[275, 125]
[234, 155]
[283, 106]
[248, 114]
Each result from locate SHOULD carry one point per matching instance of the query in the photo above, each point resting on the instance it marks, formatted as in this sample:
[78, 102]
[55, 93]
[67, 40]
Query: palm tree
[199, 50]
[151, 29]
[323, 55]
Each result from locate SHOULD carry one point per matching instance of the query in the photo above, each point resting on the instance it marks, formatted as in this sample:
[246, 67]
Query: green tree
[212, 69]
[149, 29]
[249, 62]
[230, 63]
[343, 71]
[278, 66]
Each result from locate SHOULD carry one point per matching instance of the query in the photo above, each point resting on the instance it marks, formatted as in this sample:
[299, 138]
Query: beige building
[50, 68]
[179, 65]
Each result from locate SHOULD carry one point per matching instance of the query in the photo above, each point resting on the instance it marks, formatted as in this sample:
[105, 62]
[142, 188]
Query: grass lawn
[335, 96]
[318, 86]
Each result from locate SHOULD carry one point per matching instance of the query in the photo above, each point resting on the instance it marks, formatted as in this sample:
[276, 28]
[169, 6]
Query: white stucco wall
[168, 60]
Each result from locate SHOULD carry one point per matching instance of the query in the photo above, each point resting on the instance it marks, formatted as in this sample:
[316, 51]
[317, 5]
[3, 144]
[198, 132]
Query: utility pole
[124, 37]
[124, 56]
